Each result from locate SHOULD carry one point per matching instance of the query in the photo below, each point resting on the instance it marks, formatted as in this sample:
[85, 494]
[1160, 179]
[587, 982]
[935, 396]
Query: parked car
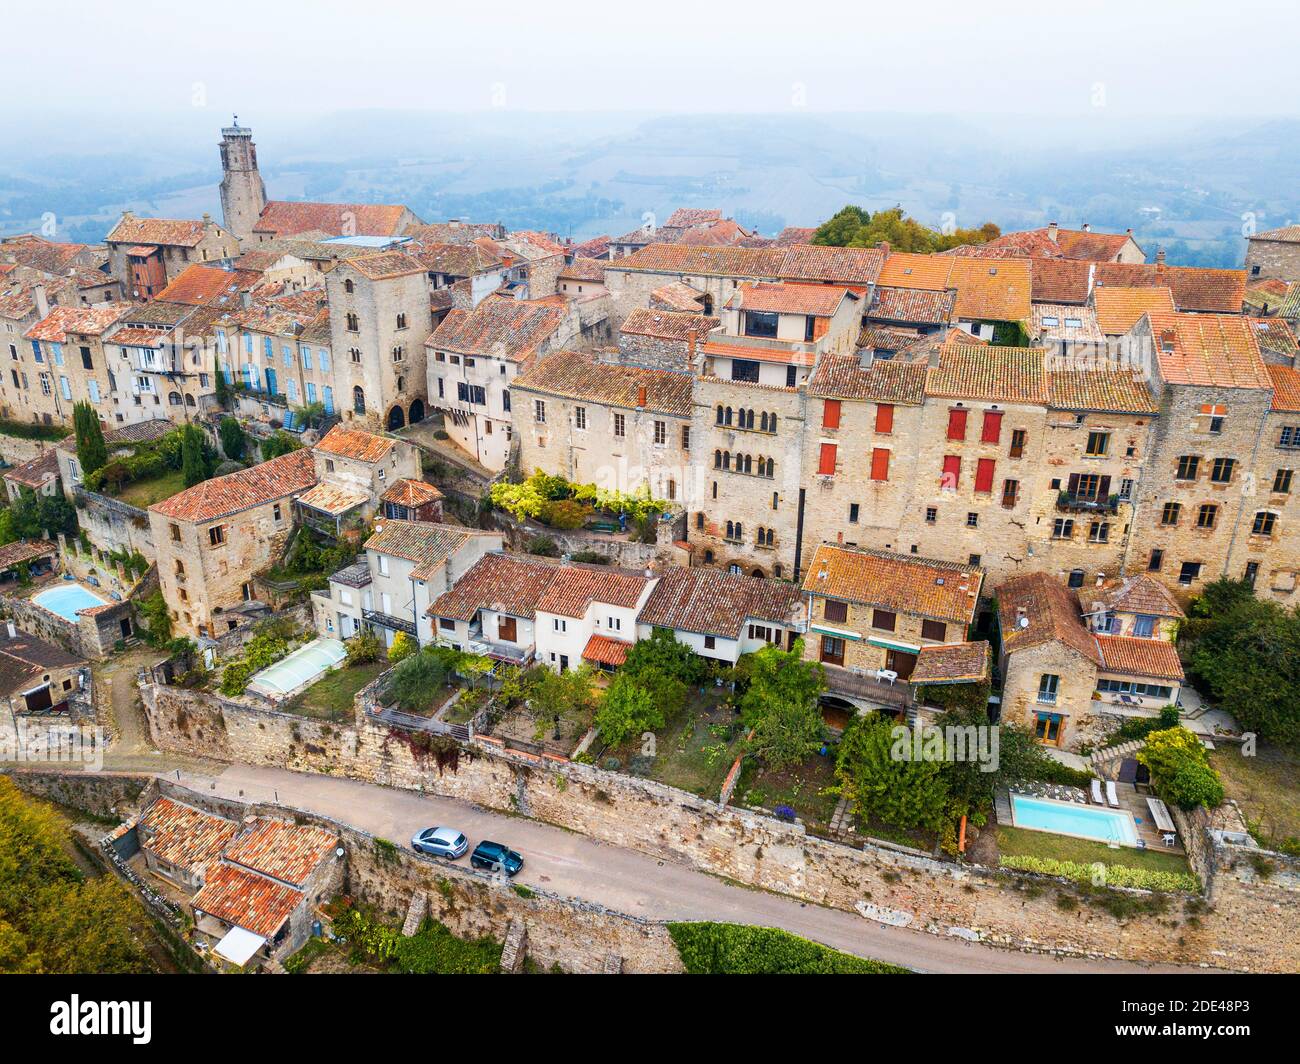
[441, 842]
[494, 857]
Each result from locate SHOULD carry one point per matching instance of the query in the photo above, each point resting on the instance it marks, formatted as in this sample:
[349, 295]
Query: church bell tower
[242, 193]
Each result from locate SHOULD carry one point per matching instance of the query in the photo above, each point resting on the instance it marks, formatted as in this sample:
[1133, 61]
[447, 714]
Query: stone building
[354, 468]
[212, 538]
[39, 679]
[663, 339]
[243, 196]
[147, 254]
[380, 318]
[619, 427]
[288, 218]
[69, 360]
[1274, 253]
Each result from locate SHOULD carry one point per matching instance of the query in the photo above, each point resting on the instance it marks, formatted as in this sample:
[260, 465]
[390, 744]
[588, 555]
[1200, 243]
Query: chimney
[13, 632]
[245, 299]
[1101, 579]
[1087, 227]
[884, 246]
[42, 301]
[1160, 257]
[207, 218]
[1166, 339]
[640, 395]
[1052, 230]
[1128, 231]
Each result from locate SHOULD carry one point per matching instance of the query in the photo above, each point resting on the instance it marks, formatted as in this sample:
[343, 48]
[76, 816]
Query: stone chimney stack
[42, 301]
[1052, 231]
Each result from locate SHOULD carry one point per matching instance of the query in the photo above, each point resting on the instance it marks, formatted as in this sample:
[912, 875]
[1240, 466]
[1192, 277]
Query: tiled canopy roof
[578, 376]
[280, 477]
[907, 584]
[247, 900]
[355, 443]
[953, 663]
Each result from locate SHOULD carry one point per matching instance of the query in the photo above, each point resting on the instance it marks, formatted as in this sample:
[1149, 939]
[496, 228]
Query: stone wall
[109, 795]
[19, 449]
[902, 889]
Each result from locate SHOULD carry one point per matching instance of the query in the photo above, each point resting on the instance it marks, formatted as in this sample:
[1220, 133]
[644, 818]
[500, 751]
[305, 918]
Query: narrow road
[626, 880]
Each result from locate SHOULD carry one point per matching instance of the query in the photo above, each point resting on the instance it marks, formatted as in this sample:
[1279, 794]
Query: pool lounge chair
[1112, 795]
[1096, 792]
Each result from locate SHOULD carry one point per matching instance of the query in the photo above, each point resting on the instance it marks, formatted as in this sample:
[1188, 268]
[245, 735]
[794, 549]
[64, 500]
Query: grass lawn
[800, 787]
[330, 697]
[1267, 788]
[144, 493]
[1023, 842]
[693, 752]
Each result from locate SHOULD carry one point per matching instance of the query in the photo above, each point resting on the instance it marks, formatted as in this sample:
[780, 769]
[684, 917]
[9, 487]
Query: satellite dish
[1024, 622]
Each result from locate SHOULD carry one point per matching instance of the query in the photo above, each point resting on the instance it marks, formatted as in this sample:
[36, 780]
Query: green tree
[224, 393]
[278, 443]
[553, 694]
[882, 783]
[157, 619]
[663, 651]
[92, 452]
[627, 709]
[841, 227]
[233, 440]
[1180, 768]
[416, 682]
[194, 459]
[403, 647]
[853, 227]
[780, 704]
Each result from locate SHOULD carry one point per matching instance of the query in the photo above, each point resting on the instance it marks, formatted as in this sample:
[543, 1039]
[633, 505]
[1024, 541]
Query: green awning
[838, 633]
[889, 644]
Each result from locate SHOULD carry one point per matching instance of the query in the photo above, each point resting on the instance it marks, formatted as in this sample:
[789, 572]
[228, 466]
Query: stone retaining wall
[1012, 909]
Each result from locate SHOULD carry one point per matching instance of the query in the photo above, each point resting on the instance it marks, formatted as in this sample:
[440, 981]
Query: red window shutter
[880, 463]
[885, 417]
[984, 475]
[951, 471]
[992, 426]
[956, 424]
[831, 414]
[827, 465]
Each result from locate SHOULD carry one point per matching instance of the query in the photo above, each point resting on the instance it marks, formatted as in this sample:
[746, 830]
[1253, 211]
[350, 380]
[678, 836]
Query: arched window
[726, 459]
[771, 423]
[358, 400]
[348, 286]
[720, 415]
[769, 469]
[762, 422]
[174, 398]
[353, 323]
[771, 537]
[189, 400]
[717, 459]
[707, 304]
[401, 384]
[749, 464]
[354, 353]
[749, 419]
[728, 415]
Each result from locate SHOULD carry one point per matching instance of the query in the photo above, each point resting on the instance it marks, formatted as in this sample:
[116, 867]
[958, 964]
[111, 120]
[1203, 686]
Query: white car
[441, 842]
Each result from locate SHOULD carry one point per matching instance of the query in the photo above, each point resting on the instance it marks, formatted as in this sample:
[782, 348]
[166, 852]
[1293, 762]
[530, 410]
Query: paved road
[626, 880]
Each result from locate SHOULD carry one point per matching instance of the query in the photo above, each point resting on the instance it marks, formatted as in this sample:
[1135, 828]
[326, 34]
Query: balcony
[507, 652]
[355, 575]
[861, 683]
[1088, 504]
[384, 620]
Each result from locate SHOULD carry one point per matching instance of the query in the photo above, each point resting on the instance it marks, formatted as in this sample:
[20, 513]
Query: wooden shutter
[884, 417]
[984, 474]
[880, 463]
[956, 424]
[831, 414]
[951, 471]
[992, 426]
[827, 465]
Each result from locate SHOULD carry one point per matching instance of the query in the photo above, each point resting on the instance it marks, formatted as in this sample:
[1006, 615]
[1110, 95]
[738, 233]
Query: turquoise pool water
[299, 668]
[66, 599]
[1071, 818]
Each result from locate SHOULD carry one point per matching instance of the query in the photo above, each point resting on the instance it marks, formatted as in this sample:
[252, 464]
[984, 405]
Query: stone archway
[396, 418]
[417, 412]
[756, 571]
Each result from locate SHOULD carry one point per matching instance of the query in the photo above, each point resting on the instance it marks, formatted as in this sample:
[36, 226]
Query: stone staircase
[613, 964]
[514, 948]
[1002, 807]
[842, 821]
[415, 913]
[1106, 757]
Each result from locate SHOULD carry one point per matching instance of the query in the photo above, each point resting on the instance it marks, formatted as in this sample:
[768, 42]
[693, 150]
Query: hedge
[735, 949]
[1116, 875]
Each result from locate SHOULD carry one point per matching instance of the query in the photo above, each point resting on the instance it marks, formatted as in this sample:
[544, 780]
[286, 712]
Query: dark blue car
[494, 857]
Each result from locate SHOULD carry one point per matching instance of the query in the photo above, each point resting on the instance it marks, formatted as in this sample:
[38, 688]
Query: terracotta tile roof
[170, 232]
[798, 354]
[1118, 309]
[953, 663]
[676, 296]
[819, 301]
[48, 256]
[411, 493]
[25, 649]
[668, 324]
[996, 374]
[1090, 246]
[704, 261]
[926, 348]
[501, 582]
[1286, 387]
[184, 836]
[247, 900]
[685, 217]
[1193, 288]
[710, 602]
[138, 337]
[282, 849]
[1274, 336]
[452, 232]
[1290, 306]
[127, 435]
[1086, 331]
[578, 376]
[356, 444]
[595, 248]
[331, 499]
[602, 650]
[505, 328]
[1051, 611]
[1265, 294]
[795, 234]
[904, 583]
[1112, 390]
[456, 260]
[287, 475]
[199, 284]
[886, 381]
[584, 269]
[544, 241]
[386, 264]
[905, 269]
[35, 473]
[572, 589]
[90, 321]
[991, 291]
[874, 337]
[856, 267]
[912, 305]
[1134, 594]
[284, 218]
[1287, 234]
[426, 543]
[1060, 281]
[1157, 658]
[1208, 349]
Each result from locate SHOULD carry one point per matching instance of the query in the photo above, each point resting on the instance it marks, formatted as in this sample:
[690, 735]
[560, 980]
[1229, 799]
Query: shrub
[233, 440]
[627, 709]
[564, 514]
[1180, 768]
[415, 682]
[733, 949]
[1116, 875]
[590, 557]
[543, 546]
[363, 648]
[403, 647]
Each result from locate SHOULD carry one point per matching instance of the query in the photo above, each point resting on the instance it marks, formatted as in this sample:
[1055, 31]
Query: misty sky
[1123, 58]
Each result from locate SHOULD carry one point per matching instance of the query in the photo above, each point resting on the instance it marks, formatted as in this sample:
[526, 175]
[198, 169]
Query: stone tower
[242, 194]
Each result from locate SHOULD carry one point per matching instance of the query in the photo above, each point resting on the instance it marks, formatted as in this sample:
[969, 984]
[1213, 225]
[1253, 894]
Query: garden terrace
[331, 697]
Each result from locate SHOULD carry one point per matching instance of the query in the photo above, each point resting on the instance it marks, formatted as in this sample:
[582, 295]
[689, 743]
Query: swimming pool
[1073, 818]
[67, 599]
[298, 669]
